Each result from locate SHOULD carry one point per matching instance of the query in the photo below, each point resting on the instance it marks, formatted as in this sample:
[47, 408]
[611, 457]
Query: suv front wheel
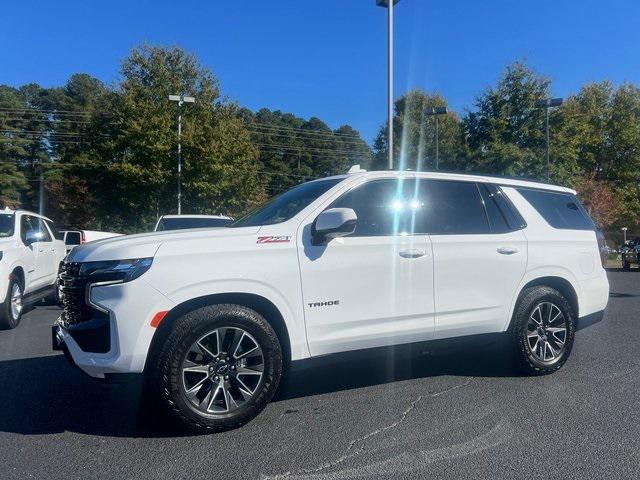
[544, 329]
[11, 311]
[219, 367]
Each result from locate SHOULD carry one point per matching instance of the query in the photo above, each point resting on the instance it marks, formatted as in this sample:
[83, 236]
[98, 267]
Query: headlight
[115, 270]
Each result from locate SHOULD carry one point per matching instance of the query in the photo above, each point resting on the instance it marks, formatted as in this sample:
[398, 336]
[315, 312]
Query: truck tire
[12, 307]
[626, 266]
[544, 330]
[218, 368]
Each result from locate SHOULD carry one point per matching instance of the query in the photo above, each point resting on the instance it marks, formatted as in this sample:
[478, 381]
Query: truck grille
[72, 289]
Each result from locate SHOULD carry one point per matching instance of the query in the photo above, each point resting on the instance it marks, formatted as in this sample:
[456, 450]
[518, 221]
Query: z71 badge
[276, 239]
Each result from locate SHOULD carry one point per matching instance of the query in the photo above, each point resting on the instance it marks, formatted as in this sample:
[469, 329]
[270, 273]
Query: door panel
[476, 277]
[367, 292]
[375, 286]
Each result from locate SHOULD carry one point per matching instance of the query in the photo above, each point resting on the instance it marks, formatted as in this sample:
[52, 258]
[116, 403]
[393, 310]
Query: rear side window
[455, 208]
[73, 238]
[560, 210]
[55, 230]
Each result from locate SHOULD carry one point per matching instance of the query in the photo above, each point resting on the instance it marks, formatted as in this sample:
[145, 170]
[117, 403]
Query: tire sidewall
[528, 303]
[194, 326]
[10, 320]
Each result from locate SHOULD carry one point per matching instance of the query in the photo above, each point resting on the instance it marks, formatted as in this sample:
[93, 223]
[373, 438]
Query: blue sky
[328, 57]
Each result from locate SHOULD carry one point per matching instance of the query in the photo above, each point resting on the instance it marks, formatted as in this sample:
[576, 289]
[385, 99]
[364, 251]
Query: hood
[144, 245]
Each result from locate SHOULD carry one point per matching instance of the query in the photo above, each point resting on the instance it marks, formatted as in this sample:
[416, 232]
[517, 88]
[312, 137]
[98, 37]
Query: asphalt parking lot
[448, 411]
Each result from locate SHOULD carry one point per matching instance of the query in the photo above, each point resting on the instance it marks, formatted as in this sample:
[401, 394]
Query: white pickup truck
[30, 257]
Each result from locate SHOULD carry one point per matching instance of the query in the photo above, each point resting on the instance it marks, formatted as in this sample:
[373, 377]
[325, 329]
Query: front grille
[72, 289]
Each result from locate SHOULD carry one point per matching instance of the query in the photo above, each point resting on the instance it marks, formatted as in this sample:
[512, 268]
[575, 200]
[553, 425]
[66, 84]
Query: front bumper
[119, 341]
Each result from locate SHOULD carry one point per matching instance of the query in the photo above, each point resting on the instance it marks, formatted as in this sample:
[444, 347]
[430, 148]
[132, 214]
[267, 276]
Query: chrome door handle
[507, 250]
[413, 253]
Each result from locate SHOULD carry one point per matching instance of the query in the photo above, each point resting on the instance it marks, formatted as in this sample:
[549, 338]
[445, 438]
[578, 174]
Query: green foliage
[414, 132]
[293, 150]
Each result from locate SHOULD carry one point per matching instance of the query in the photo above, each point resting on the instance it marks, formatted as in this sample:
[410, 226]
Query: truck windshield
[7, 222]
[283, 207]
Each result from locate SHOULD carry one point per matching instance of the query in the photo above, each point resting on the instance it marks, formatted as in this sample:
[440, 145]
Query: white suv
[30, 256]
[349, 262]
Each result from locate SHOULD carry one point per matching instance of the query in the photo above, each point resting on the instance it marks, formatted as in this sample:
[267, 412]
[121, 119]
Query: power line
[300, 149]
[303, 130]
[328, 138]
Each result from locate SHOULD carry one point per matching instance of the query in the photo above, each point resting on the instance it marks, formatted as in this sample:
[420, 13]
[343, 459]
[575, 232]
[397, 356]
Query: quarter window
[560, 210]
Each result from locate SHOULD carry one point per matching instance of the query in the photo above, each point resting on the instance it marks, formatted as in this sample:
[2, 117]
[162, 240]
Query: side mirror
[333, 223]
[33, 236]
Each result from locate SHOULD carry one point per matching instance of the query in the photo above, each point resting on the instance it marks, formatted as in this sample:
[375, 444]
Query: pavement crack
[351, 453]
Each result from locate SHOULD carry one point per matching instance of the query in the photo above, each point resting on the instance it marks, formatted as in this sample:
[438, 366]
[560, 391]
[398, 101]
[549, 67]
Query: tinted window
[7, 224]
[497, 220]
[387, 207]
[560, 210]
[73, 238]
[55, 230]
[285, 206]
[35, 224]
[455, 208]
[191, 222]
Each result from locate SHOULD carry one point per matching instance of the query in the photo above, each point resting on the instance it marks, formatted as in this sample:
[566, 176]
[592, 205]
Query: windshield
[285, 206]
[7, 222]
[191, 222]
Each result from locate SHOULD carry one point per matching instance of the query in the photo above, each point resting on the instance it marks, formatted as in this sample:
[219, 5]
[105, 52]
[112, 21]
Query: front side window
[7, 224]
[286, 206]
[37, 228]
[387, 207]
[560, 210]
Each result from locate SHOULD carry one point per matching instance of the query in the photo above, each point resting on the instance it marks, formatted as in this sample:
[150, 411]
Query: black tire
[626, 266]
[167, 376]
[7, 319]
[529, 352]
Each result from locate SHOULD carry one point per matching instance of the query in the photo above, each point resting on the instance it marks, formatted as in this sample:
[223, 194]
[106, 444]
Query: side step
[34, 297]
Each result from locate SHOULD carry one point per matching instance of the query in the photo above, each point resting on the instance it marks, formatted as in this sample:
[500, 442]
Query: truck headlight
[115, 270]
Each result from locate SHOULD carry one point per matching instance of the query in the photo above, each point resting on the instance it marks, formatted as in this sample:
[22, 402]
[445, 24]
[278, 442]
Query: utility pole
[436, 112]
[180, 99]
[546, 104]
[624, 232]
[389, 6]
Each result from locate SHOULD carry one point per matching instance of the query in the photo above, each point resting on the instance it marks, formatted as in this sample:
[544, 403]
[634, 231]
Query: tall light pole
[547, 103]
[436, 112]
[389, 6]
[180, 99]
[624, 232]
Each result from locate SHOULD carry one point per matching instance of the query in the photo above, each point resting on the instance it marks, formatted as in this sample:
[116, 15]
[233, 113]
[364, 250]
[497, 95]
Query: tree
[13, 184]
[414, 132]
[293, 150]
[599, 199]
[135, 145]
[506, 132]
[598, 134]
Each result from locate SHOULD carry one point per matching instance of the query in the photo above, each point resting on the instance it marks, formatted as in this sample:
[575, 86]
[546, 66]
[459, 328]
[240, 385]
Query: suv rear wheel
[12, 307]
[219, 367]
[544, 329]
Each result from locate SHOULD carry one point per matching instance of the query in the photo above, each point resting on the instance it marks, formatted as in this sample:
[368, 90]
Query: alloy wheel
[16, 301]
[222, 370]
[546, 332]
